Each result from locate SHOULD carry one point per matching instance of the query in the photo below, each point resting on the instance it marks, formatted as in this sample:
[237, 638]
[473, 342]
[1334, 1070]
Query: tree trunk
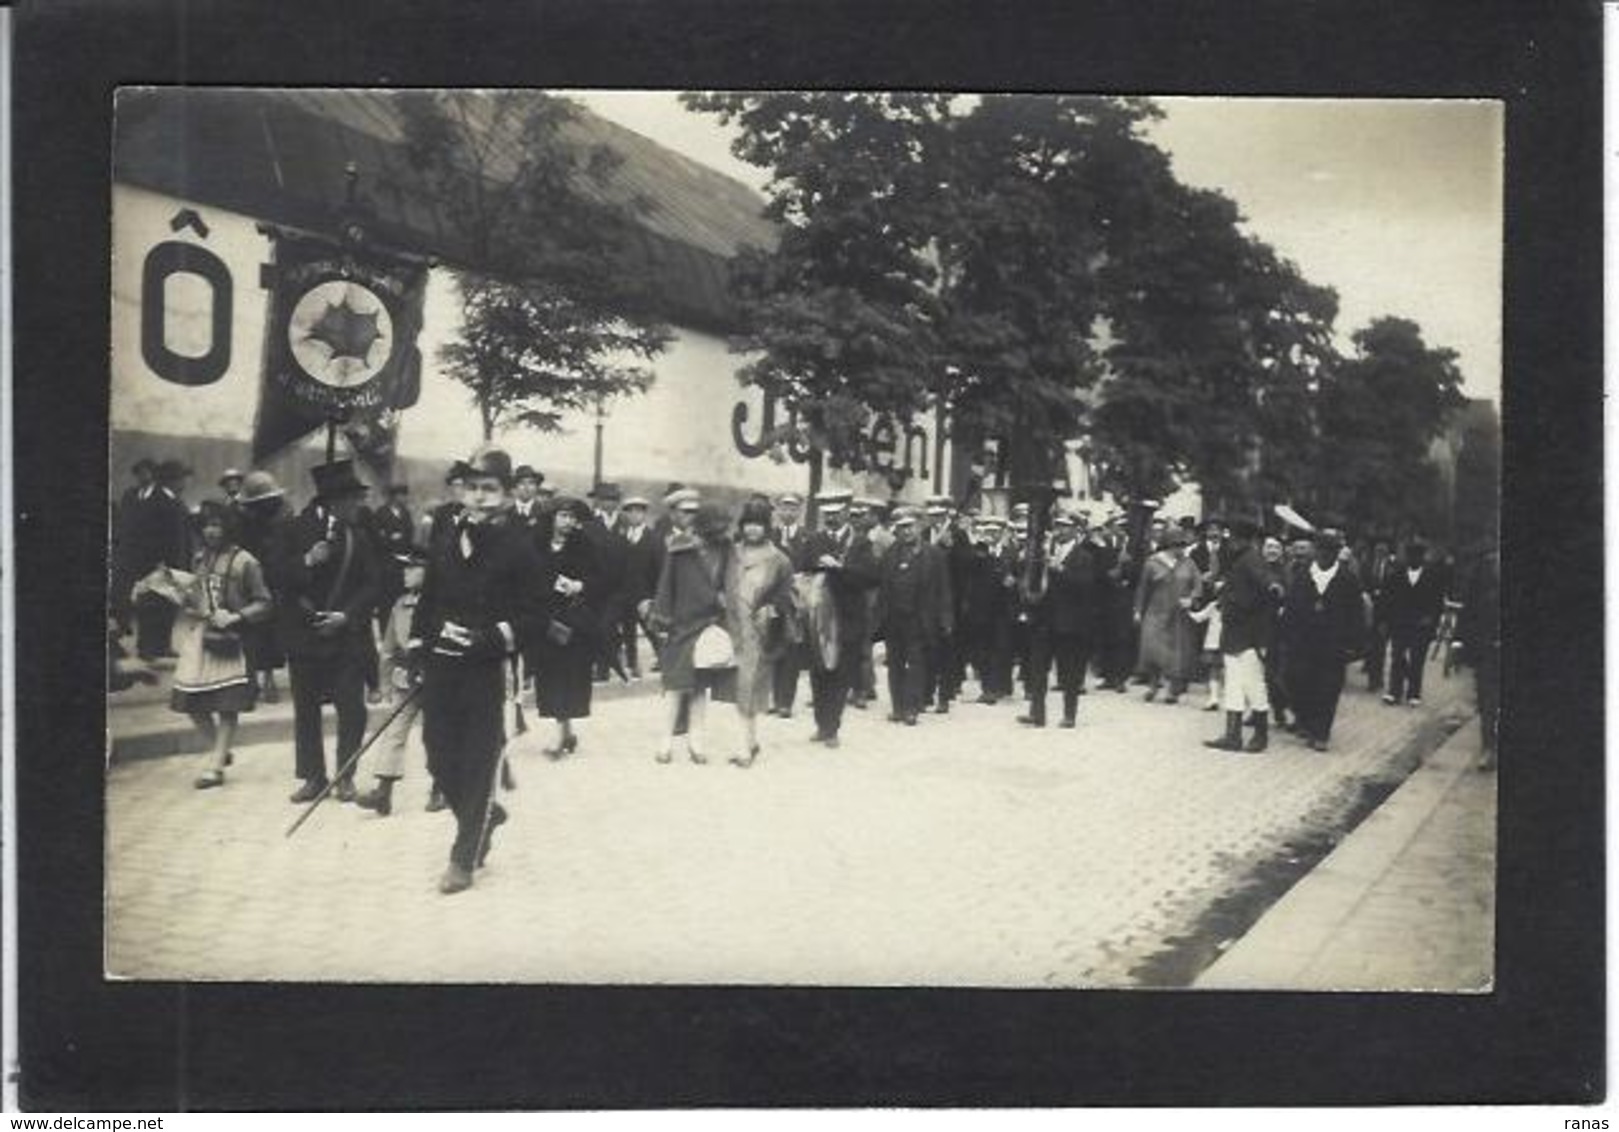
[816, 461]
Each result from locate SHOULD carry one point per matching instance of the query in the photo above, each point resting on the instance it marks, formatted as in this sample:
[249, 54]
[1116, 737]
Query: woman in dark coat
[690, 599]
[561, 660]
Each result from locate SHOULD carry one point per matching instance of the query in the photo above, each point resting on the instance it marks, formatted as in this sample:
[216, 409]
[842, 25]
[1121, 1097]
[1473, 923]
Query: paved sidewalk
[141, 725]
[1406, 902]
[964, 852]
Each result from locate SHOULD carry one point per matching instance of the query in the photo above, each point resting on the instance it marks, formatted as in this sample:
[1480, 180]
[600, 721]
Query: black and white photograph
[804, 538]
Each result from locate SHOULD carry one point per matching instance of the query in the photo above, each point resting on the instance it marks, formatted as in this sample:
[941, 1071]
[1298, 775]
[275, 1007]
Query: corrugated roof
[280, 155]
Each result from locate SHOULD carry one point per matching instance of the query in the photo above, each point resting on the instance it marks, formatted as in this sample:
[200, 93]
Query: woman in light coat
[758, 601]
[1169, 581]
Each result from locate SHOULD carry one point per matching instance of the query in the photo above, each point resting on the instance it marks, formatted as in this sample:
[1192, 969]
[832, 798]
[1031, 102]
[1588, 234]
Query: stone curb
[148, 730]
[1276, 951]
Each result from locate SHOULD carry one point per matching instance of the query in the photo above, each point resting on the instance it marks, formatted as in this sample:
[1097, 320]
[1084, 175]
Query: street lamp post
[596, 469]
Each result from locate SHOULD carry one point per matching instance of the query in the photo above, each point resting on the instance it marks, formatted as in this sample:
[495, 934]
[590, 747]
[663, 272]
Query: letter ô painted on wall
[175, 258]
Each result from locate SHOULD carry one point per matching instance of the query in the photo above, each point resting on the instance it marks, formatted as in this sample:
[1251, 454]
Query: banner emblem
[341, 344]
[341, 333]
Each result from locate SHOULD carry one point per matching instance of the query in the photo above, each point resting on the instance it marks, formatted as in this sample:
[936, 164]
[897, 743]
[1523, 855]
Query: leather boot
[1261, 736]
[1232, 739]
[380, 798]
[1070, 708]
[1036, 716]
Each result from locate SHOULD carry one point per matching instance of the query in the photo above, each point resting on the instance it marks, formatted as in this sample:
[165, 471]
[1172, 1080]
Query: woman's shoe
[697, 757]
[230, 757]
[570, 743]
[209, 780]
[747, 761]
[664, 757]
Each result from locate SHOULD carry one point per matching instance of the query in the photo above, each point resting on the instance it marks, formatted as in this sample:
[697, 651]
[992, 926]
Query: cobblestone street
[966, 851]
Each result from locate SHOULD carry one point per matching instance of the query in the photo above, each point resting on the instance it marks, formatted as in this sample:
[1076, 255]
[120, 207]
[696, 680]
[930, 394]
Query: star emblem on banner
[340, 333]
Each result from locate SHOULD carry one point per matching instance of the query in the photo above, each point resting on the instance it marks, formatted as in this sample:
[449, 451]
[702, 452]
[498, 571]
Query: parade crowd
[449, 617]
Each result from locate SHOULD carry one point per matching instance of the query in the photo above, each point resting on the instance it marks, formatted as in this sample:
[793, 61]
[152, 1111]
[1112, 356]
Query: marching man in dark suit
[327, 582]
[608, 552]
[641, 562]
[986, 608]
[528, 509]
[443, 517]
[479, 605]
[915, 611]
[1247, 607]
[1063, 622]
[395, 532]
[1413, 598]
[1322, 623]
[789, 536]
[846, 562]
[156, 532]
[946, 662]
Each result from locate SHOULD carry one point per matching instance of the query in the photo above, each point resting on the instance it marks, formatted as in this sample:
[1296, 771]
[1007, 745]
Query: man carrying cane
[479, 604]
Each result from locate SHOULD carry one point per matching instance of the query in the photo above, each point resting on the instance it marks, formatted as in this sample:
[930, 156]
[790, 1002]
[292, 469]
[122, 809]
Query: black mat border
[87, 1044]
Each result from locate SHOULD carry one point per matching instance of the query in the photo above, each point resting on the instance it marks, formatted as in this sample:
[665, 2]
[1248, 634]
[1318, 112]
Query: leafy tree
[1379, 413]
[839, 319]
[1217, 346]
[554, 316]
[1023, 217]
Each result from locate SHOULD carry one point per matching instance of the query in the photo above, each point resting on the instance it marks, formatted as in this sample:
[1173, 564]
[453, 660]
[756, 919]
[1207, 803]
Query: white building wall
[680, 429]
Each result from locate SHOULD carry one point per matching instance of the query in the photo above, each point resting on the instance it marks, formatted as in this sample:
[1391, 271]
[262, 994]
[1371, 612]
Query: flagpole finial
[351, 178]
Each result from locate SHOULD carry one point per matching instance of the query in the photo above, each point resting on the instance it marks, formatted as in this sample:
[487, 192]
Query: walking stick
[519, 724]
[352, 759]
[495, 779]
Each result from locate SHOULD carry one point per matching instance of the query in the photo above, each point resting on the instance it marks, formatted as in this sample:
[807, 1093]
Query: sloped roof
[280, 155]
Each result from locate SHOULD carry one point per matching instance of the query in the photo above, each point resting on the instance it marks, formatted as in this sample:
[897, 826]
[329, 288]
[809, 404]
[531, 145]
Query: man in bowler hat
[327, 581]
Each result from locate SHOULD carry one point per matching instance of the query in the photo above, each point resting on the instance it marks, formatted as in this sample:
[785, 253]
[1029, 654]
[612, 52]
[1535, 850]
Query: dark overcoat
[563, 671]
[301, 590]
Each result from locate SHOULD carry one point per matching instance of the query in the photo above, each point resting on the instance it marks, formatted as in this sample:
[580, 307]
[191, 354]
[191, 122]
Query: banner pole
[331, 439]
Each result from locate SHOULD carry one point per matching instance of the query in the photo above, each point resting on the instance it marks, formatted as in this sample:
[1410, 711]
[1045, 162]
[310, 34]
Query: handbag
[714, 649]
[223, 644]
[557, 632]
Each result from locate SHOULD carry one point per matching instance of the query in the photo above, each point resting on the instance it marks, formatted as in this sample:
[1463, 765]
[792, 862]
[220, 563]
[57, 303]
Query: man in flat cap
[480, 603]
[158, 533]
[1413, 599]
[865, 519]
[641, 564]
[1062, 621]
[1247, 610]
[608, 552]
[841, 570]
[327, 581]
[1322, 621]
[916, 611]
[527, 510]
[442, 519]
[946, 659]
[230, 486]
[123, 538]
[395, 532]
[792, 539]
[1120, 567]
[987, 609]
